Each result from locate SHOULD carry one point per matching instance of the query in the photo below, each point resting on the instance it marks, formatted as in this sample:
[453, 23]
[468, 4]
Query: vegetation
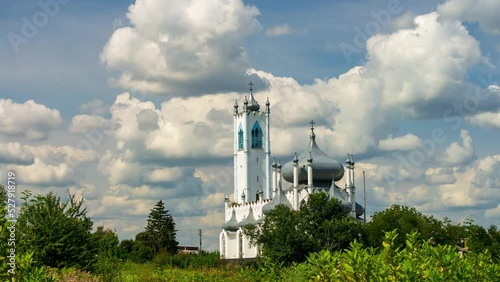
[316, 243]
[320, 224]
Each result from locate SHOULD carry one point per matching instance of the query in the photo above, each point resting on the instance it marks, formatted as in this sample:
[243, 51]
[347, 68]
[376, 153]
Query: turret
[310, 174]
[296, 182]
[350, 188]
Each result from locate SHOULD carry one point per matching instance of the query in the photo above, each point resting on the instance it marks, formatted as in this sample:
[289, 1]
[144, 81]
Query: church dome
[325, 169]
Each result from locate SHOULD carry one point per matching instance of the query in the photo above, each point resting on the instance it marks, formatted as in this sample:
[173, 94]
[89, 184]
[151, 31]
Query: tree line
[56, 233]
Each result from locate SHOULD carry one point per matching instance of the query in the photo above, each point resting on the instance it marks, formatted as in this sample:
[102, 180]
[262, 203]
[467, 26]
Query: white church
[258, 184]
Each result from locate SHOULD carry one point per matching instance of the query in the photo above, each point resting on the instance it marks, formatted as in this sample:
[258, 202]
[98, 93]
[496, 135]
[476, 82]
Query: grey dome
[279, 199]
[325, 169]
[232, 223]
[252, 105]
[249, 220]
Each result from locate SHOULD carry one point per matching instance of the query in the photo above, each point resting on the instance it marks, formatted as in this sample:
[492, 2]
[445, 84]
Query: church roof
[252, 105]
[278, 199]
[325, 169]
[249, 220]
[232, 223]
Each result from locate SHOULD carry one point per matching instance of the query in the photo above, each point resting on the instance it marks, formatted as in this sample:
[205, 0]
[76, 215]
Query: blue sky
[132, 101]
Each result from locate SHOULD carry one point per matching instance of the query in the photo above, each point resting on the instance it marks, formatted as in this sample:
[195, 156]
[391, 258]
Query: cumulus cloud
[94, 107]
[487, 175]
[182, 47]
[404, 143]
[86, 123]
[460, 153]
[15, 153]
[57, 155]
[40, 173]
[484, 12]
[164, 175]
[440, 175]
[29, 119]
[485, 119]
[278, 30]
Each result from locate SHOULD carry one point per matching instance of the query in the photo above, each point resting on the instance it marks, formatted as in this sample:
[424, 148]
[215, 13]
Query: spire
[312, 135]
[268, 110]
[235, 107]
[252, 104]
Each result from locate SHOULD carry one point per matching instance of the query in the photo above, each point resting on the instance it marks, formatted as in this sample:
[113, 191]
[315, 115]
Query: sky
[127, 103]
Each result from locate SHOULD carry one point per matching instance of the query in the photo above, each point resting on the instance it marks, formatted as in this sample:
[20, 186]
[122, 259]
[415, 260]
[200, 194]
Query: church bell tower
[252, 149]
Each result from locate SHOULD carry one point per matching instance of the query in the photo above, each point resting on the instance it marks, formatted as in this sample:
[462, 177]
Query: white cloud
[40, 173]
[484, 12]
[485, 119]
[56, 155]
[94, 107]
[164, 174]
[182, 47]
[119, 170]
[86, 123]
[15, 153]
[29, 119]
[460, 154]
[278, 30]
[440, 175]
[407, 142]
[487, 172]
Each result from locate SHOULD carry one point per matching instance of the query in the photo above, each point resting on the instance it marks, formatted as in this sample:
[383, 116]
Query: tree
[160, 231]
[58, 233]
[106, 241]
[289, 236]
[404, 220]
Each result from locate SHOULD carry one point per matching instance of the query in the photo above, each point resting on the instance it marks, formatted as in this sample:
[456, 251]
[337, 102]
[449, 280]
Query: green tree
[106, 241]
[404, 220]
[58, 233]
[289, 236]
[160, 231]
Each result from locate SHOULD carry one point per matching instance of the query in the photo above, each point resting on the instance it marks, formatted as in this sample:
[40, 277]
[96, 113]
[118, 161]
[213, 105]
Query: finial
[295, 159]
[235, 107]
[274, 162]
[348, 160]
[251, 86]
[352, 159]
[267, 102]
[226, 198]
[246, 100]
[243, 196]
[279, 164]
[312, 135]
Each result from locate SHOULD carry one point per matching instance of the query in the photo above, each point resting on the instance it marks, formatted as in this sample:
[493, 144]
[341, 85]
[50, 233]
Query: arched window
[240, 138]
[223, 243]
[256, 136]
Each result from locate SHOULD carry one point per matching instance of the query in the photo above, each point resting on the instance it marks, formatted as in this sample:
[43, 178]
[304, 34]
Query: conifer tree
[160, 231]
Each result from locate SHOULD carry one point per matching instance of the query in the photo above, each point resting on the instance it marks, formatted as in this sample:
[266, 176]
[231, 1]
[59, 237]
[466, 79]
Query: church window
[223, 244]
[240, 138]
[256, 136]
